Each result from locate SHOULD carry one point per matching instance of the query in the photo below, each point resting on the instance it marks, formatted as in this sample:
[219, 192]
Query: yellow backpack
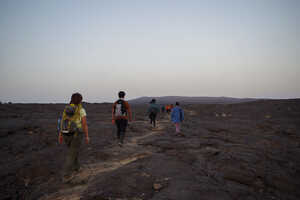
[70, 122]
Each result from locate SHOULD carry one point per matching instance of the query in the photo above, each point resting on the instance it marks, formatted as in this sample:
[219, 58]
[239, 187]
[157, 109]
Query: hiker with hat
[121, 113]
[177, 116]
[73, 127]
[152, 112]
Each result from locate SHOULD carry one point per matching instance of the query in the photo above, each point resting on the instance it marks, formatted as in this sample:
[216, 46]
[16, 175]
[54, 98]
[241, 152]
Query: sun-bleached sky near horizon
[237, 48]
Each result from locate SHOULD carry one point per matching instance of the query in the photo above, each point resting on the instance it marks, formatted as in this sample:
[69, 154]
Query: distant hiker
[171, 107]
[177, 117]
[168, 109]
[121, 113]
[163, 108]
[73, 126]
[152, 112]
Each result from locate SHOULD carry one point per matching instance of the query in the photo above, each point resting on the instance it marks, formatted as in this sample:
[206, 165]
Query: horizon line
[103, 102]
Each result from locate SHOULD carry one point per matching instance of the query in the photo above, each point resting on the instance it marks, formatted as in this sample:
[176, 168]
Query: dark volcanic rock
[236, 151]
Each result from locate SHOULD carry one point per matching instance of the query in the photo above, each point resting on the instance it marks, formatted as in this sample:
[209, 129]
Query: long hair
[76, 98]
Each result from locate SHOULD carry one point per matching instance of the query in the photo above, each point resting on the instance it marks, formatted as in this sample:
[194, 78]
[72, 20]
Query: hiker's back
[120, 115]
[120, 108]
[71, 119]
[154, 108]
[177, 114]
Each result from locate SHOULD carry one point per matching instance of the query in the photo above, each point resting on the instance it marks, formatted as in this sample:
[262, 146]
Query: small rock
[145, 174]
[267, 116]
[211, 150]
[224, 115]
[157, 186]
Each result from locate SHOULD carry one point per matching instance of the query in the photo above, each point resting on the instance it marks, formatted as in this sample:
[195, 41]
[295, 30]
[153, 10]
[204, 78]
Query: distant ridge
[191, 100]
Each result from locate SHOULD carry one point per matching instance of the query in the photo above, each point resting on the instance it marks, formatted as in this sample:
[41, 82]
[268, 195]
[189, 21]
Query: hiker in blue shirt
[177, 117]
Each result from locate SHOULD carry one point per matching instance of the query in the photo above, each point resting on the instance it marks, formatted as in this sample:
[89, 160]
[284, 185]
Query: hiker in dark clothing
[152, 112]
[162, 108]
[121, 113]
[73, 127]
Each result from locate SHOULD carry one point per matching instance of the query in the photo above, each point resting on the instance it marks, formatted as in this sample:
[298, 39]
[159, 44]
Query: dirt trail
[191, 112]
[80, 182]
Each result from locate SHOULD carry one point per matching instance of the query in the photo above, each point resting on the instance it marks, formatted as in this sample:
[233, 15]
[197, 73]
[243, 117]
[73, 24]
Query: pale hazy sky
[238, 48]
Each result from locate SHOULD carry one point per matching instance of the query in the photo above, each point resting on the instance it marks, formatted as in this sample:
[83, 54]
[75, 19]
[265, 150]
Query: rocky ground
[242, 151]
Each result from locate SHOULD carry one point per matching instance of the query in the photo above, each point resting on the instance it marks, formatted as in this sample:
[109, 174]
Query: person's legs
[71, 163]
[67, 168]
[75, 146]
[154, 119]
[150, 117]
[118, 125]
[123, 125]
[177, 127]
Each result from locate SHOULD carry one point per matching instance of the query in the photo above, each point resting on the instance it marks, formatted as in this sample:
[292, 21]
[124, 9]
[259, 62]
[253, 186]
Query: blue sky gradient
[50, 49]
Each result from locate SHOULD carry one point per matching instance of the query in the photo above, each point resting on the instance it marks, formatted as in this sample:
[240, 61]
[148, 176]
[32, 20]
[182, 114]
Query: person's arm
[182, 115]
[158, 109]
[59, 127]
[113, 113]
[129, 112]
[172, 114]
[85, 129]
[60, 138]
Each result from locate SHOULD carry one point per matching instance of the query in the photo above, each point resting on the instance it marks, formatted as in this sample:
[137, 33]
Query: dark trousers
[152, 117]
[121, 128]
[73, 143]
